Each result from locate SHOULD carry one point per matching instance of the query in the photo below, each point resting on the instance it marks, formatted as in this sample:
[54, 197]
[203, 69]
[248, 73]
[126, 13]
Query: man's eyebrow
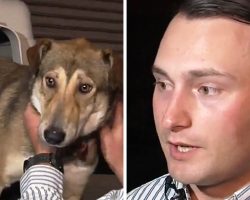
[157, 70]
[208, 72]
[194, 74]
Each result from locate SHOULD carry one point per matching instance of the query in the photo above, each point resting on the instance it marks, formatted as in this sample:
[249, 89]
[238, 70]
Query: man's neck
[217, 192]
[198, 193]
[221, 190]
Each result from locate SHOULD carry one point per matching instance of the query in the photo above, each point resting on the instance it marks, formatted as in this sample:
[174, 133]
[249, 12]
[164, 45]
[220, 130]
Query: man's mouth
[184, 149]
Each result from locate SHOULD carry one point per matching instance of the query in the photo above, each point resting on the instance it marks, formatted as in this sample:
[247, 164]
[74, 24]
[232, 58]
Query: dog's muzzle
[54, 135]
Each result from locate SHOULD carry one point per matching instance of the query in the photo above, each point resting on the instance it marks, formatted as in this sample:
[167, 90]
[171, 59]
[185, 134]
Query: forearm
[42, 182]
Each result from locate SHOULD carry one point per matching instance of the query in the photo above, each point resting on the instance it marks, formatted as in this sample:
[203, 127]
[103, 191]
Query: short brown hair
[238, 10]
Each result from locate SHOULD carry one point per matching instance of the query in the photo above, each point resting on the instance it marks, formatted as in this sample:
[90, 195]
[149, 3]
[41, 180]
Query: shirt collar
[241, 194]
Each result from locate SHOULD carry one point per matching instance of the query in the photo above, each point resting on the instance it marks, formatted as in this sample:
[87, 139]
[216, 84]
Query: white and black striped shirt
[43, 182]
[156, 190]
[113, 195]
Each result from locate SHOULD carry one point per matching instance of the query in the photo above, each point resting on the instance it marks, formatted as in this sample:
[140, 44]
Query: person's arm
[42, 182]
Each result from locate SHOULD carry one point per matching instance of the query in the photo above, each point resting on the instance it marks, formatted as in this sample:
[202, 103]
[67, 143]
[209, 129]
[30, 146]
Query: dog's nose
[54, 135]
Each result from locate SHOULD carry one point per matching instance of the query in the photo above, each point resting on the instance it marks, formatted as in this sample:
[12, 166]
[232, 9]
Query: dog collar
[42, 158]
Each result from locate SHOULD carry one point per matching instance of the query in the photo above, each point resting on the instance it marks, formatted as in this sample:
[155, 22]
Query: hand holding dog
[112, 143]
[31, 121]
[111, 138]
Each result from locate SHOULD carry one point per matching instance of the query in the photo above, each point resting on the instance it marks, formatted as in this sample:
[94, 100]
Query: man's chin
[186, 172]
[186, 176]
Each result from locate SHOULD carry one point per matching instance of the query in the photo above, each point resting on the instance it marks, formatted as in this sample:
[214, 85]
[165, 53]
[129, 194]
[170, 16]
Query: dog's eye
[50, 82]
[85, 88]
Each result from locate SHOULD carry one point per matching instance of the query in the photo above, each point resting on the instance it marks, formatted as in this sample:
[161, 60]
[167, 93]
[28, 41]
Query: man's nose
[177, 114]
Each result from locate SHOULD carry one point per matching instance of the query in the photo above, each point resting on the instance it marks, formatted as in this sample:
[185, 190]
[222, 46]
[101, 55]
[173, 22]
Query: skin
[112, 143]
[111, 138]
[31, 121]
[201, 99]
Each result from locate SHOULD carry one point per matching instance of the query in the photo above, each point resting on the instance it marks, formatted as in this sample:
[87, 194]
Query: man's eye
[207, 90]
[162, 85]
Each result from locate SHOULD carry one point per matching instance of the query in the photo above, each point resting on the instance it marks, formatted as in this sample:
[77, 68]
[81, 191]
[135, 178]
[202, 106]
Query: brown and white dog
[73, 85]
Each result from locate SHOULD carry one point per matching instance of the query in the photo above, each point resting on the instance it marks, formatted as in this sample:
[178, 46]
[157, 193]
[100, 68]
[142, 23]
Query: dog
[74, 86]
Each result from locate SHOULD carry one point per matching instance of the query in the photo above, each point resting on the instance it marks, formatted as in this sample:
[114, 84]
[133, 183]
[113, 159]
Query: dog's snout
[54, 135]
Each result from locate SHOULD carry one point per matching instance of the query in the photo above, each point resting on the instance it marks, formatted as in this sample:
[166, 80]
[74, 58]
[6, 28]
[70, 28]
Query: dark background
[146, 23]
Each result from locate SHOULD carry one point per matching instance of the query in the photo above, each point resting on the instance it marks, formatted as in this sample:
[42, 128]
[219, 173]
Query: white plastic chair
[15, 22]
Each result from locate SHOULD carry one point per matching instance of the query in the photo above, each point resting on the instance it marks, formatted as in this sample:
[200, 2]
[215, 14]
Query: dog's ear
[36, 53]
[107, 56]
[116, 71]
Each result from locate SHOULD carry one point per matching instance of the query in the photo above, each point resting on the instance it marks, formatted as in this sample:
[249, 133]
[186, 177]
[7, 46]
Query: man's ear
[36, 53]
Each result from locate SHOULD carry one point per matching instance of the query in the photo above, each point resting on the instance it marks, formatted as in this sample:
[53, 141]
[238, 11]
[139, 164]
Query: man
[201, 103]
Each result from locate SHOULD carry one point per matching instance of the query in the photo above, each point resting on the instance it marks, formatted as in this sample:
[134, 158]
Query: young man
[201, 103]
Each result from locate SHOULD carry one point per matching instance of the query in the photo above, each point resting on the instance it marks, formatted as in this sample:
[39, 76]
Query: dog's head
[74, 85]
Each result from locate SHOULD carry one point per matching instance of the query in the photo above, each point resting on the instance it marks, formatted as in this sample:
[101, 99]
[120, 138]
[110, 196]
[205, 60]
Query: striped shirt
[113, 195]
[158, 189]
[43, 182]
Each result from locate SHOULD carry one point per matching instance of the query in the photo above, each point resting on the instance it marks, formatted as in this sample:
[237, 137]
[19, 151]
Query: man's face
[202, 100]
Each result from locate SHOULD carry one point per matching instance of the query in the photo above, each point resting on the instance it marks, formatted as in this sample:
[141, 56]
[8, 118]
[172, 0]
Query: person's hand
[31, 121]
[112, 143]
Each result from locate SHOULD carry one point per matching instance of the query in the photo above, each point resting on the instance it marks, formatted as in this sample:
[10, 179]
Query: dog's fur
[73, 85]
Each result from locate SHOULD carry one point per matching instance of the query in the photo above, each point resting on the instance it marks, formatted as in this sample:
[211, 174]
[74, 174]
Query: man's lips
[183, 147]
[183, 144]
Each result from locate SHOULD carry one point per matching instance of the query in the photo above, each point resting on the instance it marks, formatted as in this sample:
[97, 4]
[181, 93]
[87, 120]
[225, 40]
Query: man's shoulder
[150, 190]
